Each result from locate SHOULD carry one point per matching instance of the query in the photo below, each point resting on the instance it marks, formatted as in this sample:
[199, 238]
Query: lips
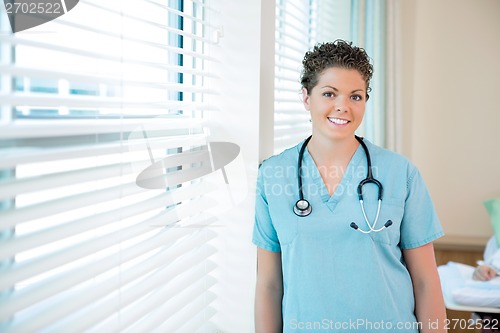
[338, 121]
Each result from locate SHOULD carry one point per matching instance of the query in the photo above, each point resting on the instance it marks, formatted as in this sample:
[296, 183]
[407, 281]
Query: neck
[327, 151]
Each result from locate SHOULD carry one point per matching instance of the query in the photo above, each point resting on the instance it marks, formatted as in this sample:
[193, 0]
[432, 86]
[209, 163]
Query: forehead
[341, 77]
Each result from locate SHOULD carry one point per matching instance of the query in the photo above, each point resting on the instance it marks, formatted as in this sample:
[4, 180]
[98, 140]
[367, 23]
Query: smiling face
[337, 103]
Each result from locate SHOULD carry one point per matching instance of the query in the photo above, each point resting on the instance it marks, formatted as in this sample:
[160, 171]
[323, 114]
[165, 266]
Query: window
[88, 102]
[294, 36]
[300, 24]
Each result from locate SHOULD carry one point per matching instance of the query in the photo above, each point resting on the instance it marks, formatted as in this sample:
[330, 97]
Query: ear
[367, 97]
[305, 99]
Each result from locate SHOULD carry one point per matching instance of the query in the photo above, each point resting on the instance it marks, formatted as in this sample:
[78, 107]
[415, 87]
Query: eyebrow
[335, 89]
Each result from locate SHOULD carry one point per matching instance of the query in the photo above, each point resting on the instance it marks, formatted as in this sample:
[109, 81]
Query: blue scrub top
[336, 278]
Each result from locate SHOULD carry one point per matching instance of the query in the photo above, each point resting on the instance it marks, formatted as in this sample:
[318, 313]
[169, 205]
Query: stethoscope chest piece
[302, 208]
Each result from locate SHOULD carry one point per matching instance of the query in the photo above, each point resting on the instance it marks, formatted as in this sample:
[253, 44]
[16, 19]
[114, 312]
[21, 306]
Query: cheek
[321, 106]
[360, 110]
[319, 111]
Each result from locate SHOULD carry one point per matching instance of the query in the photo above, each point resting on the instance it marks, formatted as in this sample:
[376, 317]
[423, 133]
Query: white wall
[451, 84]
[238, 122]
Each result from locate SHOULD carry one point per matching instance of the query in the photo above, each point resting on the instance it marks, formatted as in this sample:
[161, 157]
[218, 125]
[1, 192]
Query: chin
[342, 135]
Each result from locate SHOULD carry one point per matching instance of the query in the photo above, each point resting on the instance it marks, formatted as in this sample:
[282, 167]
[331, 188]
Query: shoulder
[280, 168]
[386, 154]
[388, 159]
[285, 158]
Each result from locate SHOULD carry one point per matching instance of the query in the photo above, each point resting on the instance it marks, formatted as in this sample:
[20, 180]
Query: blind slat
[296, 36]
[286, 110]
[12, 188]
[13, 40]
[291, 123]
[280, 88]
[99, 102]
[294, 100]
[299, 130]
[96, 79]
[130, 15]
[284, 49]
[183, 281]
[299, 5]
[13, 157]
[50, 235]
[293, 8]
[66, 128]
[142, 42]
[82, 77]
[201, 317]
[34, 267]
[38, 320]
[177, 322]
[164, 7]
[182, 291]
[13, 217]
[281, 78]
[195, 164]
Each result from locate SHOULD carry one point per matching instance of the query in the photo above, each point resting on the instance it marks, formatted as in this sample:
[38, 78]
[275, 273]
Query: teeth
[338, 121]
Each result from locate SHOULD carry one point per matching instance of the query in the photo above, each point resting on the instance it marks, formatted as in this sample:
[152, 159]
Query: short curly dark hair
[340, 54]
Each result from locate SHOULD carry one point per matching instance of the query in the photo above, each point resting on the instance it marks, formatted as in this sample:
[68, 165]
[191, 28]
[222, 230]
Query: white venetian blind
[331, 20]
[300, 24]
[87, 103]
[293, 39]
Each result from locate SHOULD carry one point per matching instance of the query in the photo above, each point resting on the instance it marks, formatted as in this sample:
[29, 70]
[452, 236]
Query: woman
[332, 263]
[486, 271]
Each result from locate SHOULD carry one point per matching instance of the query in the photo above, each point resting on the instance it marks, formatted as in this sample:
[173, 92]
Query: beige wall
[451, 99]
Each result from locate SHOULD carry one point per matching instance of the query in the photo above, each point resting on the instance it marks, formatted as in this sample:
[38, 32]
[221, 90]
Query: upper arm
[269, 269]
[269, 292]
[429, 302]
[421, 263]
[264, 232]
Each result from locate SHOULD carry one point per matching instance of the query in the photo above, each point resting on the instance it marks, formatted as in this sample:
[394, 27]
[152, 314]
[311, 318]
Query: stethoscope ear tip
[354, 226]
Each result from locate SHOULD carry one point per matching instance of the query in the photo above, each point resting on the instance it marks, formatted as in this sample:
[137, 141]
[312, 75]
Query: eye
[357, 97]
[328, 94]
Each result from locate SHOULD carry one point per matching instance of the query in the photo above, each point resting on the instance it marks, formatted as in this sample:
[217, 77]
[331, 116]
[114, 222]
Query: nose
[341, 104]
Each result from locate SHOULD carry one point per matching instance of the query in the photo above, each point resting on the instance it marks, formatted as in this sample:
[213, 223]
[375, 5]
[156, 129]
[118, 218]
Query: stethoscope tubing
[303, 208]
[299, 166]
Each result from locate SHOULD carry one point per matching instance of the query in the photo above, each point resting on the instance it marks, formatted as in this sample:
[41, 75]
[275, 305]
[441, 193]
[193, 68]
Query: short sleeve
[420, 224]
[264, 233]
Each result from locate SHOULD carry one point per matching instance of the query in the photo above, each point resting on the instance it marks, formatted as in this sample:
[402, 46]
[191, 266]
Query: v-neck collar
[341, 189]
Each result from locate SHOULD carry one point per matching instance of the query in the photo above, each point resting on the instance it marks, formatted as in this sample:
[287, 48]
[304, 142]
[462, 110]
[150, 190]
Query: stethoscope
[303, 208]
